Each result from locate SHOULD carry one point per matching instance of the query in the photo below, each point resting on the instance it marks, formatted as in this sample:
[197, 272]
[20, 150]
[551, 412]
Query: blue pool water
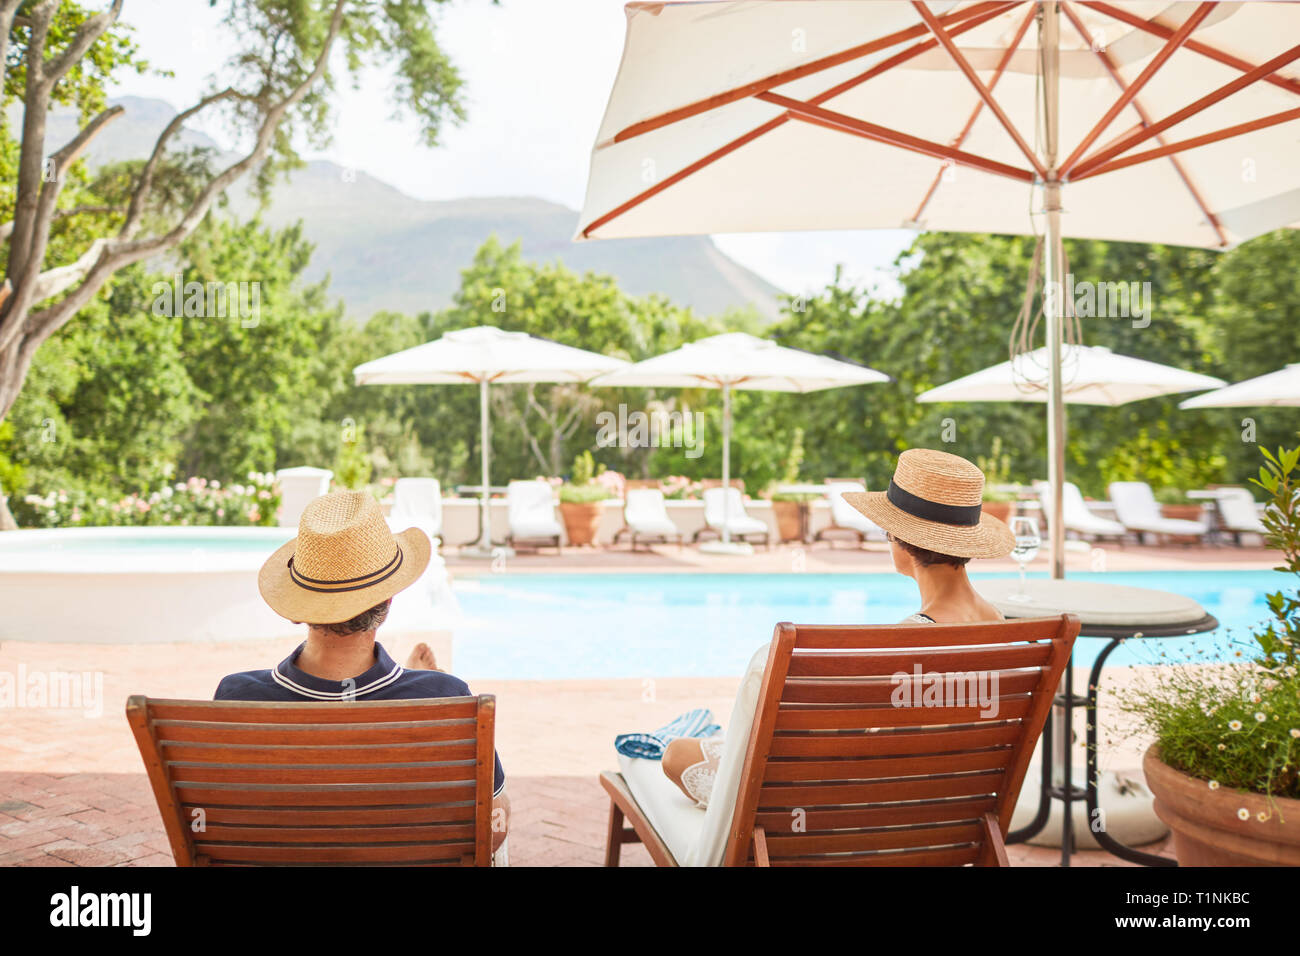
[550, 626]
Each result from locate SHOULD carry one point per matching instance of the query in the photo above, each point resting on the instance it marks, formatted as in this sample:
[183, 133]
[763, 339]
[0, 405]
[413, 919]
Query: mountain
[384, 249]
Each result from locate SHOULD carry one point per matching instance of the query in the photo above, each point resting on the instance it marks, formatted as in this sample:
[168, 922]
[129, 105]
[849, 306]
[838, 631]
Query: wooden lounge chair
[846, 518]
[417, 503]
[821, 767]
[726, 506]
[1137, 509]
[530, 513]
[404, 782]
[646, 518]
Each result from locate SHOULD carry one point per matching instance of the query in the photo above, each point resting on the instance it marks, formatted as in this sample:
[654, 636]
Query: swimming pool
[552, 626]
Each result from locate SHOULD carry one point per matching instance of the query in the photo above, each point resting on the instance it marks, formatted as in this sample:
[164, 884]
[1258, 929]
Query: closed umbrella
[485, 355]
[1090, 375]
[1276, 388]
[736, 360]
[1141, 122]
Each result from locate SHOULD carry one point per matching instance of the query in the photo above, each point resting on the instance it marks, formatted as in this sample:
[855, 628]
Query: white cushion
[698, 837]
[712, 840]
[674, 815]
[650, 526]
[534, 526]
[741, 525]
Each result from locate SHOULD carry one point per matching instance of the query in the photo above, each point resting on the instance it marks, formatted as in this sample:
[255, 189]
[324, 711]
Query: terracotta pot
[1206, 828]
[581, 520]
[789, 520]
[1002, 510]
[1186, 512]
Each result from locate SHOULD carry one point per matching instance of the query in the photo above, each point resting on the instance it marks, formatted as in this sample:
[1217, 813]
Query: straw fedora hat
[935, 502]
[345, 560]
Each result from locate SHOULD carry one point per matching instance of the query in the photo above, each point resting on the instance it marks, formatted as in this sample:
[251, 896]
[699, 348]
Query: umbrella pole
[726, 464]
[1054, 290]
[484, 442]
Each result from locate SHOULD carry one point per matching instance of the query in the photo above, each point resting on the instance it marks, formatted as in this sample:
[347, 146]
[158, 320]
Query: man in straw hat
[339, 576]
[933, 513]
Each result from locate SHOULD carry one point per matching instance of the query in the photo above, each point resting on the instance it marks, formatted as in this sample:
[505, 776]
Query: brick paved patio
[72, 791]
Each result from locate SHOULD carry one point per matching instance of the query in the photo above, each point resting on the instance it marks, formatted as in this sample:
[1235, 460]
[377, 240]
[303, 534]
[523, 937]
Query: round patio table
[1113, 611]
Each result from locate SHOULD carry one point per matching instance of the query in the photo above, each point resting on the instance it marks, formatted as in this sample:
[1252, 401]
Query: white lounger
[1079, 518]
[698, 837]
[530, 513]
[845, 517]
[1136, 508]
[647, 518]
[740, 526]
[1239, 513]
[417, 502]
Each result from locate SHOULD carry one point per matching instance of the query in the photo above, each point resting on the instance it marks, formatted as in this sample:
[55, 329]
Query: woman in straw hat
[933, 514]
[339, 576]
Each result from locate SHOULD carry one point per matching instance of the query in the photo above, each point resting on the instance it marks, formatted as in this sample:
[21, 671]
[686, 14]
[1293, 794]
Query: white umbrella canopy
[485, 355]
[1276, 388]
[1134, 121]
[1090, 375]
[736, 360]
[740, 116]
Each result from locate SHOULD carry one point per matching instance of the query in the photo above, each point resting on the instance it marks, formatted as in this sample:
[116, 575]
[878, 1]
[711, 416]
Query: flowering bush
[196, 501]
[680, 487]
[1239, 726]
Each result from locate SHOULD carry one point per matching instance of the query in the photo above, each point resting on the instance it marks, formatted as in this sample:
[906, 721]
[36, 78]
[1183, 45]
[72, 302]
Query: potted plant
[1174, 504]
[790, 507]
[999, 499]
[1225, 765]
[580, 501]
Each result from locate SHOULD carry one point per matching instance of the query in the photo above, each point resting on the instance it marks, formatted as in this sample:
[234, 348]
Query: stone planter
[789, 520]
[1207, 830]
[1002, 510]
[581, 520]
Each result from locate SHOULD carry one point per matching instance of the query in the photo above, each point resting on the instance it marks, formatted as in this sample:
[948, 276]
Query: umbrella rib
[897, 59]
[1196, 46]
[984, 92]
[979, 106]
[1128, 93]
[1124, 145]
[786, 76]
[1205, 139]
[1113, 69]
[818, 116]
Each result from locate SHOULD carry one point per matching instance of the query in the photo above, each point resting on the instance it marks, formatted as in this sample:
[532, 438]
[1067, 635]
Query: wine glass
[1027, 543]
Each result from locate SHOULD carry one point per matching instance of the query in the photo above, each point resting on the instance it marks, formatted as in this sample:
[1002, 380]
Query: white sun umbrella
[1090, 375]
[1139, 122]
[485, 355]
[1276, 388]
[735, 360]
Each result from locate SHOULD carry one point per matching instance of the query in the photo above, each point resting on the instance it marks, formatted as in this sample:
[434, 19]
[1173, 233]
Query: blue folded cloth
[693, 723]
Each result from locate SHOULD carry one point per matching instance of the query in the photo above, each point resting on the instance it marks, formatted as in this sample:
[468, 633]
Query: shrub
[1238, 725]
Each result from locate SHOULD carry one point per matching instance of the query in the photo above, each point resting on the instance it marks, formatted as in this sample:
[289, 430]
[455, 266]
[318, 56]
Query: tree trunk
[7, 522]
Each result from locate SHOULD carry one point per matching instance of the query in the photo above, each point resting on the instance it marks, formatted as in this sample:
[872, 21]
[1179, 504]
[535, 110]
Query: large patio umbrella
[735, 360]
[485, 355]
[1143, 122]
[1276, 388]
[1090, 375]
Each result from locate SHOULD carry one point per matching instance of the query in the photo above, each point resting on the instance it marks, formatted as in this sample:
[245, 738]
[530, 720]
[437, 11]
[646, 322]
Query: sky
[537, 74]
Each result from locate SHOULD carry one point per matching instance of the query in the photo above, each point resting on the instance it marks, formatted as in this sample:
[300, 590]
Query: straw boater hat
[934, 502]
[345, 560]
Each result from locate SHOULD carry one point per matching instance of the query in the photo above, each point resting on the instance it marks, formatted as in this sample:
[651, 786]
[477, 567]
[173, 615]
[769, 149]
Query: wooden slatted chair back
[894, 745]
[403, 782]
